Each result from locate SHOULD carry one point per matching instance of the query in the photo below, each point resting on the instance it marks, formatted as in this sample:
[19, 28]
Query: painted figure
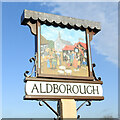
[71, 58]
[54, 60]
[48, 62]
[84, 62]
[75, 62]
[58, 59]
[79, 62]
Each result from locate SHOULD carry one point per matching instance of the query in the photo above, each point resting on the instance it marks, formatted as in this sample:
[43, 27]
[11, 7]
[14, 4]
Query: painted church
[59, 44]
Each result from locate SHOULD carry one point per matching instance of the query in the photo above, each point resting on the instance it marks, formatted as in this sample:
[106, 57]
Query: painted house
[59, 44]
[78, 48]
[44, 44]
[83, 48]
[68, 48]
[81, 45]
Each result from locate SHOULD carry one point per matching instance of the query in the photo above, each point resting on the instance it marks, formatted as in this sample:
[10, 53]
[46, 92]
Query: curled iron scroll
[89, 103]
[40, 104]
[27, 72]
[97, 79]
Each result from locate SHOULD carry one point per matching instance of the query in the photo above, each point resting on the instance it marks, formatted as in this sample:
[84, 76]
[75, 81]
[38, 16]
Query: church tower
[59, 36]
[57, 43]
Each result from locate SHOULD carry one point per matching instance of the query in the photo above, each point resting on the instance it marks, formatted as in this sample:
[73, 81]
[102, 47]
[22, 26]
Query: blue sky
[18, 46]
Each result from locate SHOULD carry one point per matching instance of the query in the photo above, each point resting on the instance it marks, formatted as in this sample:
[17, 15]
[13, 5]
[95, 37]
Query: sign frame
[90, 77]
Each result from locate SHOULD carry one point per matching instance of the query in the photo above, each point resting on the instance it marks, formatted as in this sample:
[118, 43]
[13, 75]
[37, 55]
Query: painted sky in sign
[51, 33]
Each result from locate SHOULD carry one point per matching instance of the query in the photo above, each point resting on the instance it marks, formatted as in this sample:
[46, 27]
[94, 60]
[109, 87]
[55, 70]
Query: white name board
[63, 89]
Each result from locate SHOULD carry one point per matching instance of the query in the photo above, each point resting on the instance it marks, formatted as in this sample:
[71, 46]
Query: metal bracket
[58, 116]
[89, 104]
[40, 104]
[33, 69]
[97, 79]
[78, 116]
[49, 107]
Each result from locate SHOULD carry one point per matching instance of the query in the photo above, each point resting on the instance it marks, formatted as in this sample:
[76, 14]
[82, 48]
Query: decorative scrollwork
[78, 116]
[48, 107]
[40, 104]
[89, 103]
[97, 79]
[33, 69]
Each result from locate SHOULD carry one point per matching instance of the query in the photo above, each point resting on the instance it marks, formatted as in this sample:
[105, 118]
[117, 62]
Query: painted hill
[50, 44]
[44, 41]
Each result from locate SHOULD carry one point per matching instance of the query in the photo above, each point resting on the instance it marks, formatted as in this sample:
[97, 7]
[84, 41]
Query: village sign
[63, 64]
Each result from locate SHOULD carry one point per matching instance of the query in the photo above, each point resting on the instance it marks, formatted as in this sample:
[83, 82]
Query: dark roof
[56, 20]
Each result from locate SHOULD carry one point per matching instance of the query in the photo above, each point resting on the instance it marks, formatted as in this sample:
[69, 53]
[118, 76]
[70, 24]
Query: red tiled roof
[68, 47]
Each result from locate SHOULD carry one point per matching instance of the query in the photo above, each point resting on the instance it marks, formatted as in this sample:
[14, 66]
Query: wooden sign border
[61, 80]
[56, 98]
[38, 68]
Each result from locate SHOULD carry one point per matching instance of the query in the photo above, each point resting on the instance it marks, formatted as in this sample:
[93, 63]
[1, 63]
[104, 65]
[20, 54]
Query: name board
[59, 89]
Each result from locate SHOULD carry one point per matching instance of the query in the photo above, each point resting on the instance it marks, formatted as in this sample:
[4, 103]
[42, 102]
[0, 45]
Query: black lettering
[68, 88]
[95, 90]
[50, 88]
[55, 87]
[88, 90]
[63, 89]
[73, 89]
[82, 92]
[41, 89]
[35, 87]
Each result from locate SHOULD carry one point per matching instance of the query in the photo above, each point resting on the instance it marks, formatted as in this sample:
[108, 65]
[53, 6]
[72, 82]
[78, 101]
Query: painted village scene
[63, 52]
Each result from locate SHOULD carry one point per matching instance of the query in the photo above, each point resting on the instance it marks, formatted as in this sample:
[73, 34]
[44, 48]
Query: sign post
[68, 108]
[63, 62]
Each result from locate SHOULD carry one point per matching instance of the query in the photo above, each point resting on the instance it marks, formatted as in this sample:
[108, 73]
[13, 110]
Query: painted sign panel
[63, 52]
[36, 88]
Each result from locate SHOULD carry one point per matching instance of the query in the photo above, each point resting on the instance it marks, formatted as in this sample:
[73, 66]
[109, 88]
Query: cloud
[106, 41]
